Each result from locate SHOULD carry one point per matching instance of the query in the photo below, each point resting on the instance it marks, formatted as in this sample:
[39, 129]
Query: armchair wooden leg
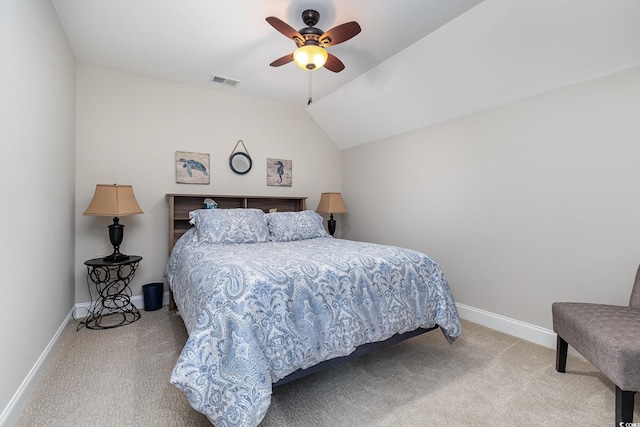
[561, 354]
[624, 406]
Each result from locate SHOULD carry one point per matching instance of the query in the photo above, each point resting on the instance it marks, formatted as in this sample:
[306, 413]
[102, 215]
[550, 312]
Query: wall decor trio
[194, 168]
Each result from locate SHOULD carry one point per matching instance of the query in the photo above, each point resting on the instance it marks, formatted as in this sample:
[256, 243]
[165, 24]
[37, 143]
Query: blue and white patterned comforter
[258, 312]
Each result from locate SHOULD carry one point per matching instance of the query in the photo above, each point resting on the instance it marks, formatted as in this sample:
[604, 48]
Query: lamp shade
[331, 203]
[310, 57]
[113, 200]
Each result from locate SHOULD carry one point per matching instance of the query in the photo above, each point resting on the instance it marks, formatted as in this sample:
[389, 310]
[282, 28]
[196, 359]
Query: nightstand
[113, 308]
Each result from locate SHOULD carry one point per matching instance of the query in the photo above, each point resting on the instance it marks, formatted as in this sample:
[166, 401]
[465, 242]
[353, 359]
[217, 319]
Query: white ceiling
[498, 52]
[190, 40]
[416, 62]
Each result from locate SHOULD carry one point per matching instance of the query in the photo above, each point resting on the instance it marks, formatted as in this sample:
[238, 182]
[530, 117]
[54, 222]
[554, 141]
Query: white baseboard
[526, 331]
[11, 413]
[83, 308]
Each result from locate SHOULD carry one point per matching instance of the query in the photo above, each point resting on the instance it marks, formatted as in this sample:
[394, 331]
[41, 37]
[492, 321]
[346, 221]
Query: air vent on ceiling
[224, 81]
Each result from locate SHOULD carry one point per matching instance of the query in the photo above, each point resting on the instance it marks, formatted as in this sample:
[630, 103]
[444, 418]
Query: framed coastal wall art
[192, 168]
[279, 172]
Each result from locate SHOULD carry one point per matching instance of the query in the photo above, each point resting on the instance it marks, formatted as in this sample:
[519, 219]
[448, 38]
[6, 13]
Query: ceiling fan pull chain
[310, 98]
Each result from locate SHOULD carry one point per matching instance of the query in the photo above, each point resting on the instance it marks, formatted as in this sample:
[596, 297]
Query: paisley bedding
[258, 312]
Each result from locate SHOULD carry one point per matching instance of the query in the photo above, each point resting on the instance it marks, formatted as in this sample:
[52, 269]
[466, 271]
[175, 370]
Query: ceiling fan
[312, 42]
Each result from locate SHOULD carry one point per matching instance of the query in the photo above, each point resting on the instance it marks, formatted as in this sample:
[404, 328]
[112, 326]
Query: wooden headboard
[181, 204]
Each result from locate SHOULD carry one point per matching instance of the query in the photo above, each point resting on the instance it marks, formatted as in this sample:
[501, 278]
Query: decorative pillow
[230, 225]
[289, 226]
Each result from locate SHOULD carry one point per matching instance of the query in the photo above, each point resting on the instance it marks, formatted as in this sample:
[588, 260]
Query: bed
[268, 296]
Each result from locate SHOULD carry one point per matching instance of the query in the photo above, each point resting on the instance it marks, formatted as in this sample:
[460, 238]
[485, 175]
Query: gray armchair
[608, 336]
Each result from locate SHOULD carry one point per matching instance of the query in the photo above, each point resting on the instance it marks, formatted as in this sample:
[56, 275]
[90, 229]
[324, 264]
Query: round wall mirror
[240, 163]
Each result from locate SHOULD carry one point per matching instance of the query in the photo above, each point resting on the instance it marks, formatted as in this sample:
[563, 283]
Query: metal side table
[113, 307]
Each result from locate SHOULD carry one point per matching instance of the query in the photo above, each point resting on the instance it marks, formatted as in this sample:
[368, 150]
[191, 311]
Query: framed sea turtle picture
[192, 168]
[279, 172]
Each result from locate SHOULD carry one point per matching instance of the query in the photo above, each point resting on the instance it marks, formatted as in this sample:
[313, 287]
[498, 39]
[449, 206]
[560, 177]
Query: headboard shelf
[181, 204]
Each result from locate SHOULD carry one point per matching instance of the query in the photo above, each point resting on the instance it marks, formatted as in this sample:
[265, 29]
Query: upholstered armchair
[608, 336]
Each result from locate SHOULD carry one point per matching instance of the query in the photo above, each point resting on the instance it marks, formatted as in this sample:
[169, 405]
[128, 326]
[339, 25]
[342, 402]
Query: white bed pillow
[227, 226]
[290, 226]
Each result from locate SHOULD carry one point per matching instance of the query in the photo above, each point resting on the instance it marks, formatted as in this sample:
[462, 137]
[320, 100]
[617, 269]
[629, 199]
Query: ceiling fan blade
[281, 61]
[285, 29]
[333, 64]
[340, 34]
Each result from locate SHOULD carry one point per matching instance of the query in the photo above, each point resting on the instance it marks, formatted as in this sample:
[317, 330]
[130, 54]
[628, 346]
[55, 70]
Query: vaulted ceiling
[415, 63]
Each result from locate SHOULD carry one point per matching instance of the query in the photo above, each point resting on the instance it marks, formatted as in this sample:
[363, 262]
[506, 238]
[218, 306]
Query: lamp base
[116, 257]
[116, 233]
[332, 224]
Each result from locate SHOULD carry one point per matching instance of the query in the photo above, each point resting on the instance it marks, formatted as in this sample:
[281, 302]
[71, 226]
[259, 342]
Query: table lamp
[116, 201]
[331, 203]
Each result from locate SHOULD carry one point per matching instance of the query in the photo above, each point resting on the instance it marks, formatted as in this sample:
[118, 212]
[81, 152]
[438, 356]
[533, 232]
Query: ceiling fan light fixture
[310, 57]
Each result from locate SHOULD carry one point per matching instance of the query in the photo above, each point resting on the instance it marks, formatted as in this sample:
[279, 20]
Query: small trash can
[152, 294]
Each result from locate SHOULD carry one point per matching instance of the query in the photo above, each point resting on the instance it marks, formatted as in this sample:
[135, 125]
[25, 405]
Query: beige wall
[522, 205]
[37, 185]
[128, 129]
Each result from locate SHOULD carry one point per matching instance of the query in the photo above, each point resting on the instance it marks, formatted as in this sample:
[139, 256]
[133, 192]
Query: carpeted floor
[486, 378]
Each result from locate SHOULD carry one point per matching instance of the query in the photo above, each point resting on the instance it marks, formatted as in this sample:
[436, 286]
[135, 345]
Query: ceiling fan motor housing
[310, 33]
[310, 17]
